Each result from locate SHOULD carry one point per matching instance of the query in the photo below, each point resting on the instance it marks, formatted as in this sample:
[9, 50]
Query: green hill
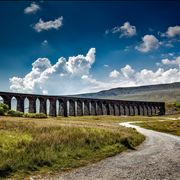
[160, 92]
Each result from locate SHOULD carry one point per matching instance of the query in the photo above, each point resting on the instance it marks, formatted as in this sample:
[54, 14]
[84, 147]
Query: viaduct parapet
[75, 106]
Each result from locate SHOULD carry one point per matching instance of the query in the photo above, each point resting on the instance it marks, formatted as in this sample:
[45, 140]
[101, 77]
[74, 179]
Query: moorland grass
[46, 145]
[171, 127]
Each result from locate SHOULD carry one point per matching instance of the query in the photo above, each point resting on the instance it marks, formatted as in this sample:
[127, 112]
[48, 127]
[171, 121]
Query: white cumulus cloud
[149, 42]
[171, 62]
[127, 71]
[80, 65]
[173, 31]
[127, 76]
[62, 77]
[32, 9]
[72, 76]
[114, 74]
[126, 30]
[42, 25]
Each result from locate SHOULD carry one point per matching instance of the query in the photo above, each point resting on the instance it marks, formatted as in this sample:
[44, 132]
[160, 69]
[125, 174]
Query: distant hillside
[160, 92]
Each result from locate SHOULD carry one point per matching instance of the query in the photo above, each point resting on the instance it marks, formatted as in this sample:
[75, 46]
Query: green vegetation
[26, 115]
[171, 127]
[35, 115]
[159, 95]
[3, 109]
[173, 108]
[162, 92]
[30, 146]
[177, 106]
[14, 113]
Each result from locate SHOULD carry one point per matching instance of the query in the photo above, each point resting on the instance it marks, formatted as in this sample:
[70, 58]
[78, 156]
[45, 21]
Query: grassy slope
[162, 95]
[34, 145]
[171, 127]
[170, 95]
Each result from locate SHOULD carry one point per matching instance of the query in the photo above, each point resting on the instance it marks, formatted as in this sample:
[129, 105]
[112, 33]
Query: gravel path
[157, 158]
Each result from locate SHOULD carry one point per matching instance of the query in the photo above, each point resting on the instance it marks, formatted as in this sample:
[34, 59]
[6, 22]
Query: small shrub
[35, 115]
[2, 112]
[15, 113]
[3, 108]
[40, 115]
[177, 104]
[173, 108]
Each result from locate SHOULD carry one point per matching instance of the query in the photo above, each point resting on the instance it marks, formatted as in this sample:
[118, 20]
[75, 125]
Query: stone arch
[48, 106]
[52, 107]
[37, 105]
[26, 105]
[145, 110]
[6, 100]
[32, 104]
[149, 110]
[104, 108]
[153, 110]
[14, 103]
[157, 109]
[20, 103]
[79, 108]
[107, 108]
[57, 107]
[141, 110]
[61, 107]
[136, 112]
[71, 107]
[86, 108]
[43, 107]
[131, 110]
[99, 108]
[126, 106]
[116, 110]
[93, 108]
[122, 109]
[1, 99]
[111, 109]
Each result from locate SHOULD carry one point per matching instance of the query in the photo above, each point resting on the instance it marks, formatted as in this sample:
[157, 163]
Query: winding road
[158, 158]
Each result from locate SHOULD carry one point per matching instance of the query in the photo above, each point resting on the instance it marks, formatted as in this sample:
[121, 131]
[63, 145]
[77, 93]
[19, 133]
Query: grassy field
[31, 146]
[81, 121]
[171, 127]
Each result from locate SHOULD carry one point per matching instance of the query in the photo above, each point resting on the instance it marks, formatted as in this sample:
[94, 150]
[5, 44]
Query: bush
[2, 111]
[15, 113]
[35, 115]
[177, 104]
[3, 108]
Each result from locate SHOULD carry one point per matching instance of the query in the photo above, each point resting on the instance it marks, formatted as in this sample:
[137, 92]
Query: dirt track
[157, 158]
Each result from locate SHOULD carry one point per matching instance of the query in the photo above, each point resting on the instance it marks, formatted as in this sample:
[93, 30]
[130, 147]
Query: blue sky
[129, 44]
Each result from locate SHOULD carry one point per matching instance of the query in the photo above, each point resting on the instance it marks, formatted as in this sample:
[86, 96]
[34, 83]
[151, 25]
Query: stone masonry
[75, 106]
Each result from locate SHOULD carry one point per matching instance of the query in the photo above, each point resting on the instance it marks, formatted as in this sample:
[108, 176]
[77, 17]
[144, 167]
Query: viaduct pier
[76, 106]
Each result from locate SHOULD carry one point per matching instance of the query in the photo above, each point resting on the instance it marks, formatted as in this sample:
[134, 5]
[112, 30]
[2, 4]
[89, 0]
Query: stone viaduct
[75, 106]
